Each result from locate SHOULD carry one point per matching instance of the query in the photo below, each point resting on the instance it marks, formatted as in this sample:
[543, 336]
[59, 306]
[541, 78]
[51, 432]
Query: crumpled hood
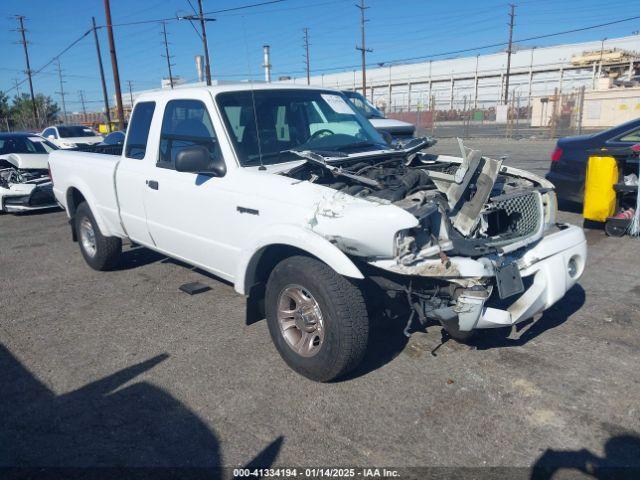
[28, 161]
[392, 126]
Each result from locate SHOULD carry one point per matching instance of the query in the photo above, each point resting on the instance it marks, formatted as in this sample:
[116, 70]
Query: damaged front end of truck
[459, 241]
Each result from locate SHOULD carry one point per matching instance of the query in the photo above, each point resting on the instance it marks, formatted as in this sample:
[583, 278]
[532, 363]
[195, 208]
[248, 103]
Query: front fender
[297, 237]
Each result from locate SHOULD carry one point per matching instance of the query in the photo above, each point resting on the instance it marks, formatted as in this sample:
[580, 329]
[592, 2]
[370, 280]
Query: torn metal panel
[468, 216]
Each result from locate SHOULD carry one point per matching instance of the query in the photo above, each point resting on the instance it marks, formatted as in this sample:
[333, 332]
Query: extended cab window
[139, 130]
[185, 123]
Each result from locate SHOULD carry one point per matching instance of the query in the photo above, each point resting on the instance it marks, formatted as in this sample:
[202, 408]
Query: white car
[319, 228]
[71, 136]
[398, 129]
[24, 178]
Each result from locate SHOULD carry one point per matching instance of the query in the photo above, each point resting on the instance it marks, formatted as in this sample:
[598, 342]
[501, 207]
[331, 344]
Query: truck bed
[92, 174]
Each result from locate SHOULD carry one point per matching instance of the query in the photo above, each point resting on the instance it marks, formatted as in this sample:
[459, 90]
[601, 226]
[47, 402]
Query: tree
[4, 110]
[21, 112]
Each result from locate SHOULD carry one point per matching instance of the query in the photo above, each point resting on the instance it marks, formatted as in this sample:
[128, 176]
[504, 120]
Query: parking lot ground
[122, 369]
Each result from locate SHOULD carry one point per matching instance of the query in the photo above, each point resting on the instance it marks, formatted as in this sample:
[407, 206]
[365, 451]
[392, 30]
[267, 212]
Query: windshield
[265, 124]
[364, 105]
[21, 144]
[70, 131]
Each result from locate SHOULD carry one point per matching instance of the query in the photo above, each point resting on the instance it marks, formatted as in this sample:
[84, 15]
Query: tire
[332, 312]
[100, 252]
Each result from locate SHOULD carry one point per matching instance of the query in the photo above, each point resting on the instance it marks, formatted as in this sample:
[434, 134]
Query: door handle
[152, 184]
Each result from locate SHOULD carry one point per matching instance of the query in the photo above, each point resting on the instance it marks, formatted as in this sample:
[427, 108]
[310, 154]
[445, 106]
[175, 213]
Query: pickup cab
[318, 221]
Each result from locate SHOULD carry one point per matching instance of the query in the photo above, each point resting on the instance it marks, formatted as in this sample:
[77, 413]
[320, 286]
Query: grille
[525, 216]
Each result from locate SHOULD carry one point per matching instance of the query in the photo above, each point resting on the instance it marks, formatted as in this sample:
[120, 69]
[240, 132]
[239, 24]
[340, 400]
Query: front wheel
[317, 318]
[100, 252]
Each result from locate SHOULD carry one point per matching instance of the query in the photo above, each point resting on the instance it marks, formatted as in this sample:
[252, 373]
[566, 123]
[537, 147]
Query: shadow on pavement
[109, 428]
[137, 257]
[551, 318]
[621, 461]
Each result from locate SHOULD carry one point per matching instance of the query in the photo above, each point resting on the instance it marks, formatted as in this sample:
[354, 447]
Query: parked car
[71, 136]
[318, 228]
[114, 138]
[398, 129]
[24, 179]
[569, 159]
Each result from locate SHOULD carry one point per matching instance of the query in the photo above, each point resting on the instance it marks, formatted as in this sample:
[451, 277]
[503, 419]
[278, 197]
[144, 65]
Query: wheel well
[74, 198]
[265, 260]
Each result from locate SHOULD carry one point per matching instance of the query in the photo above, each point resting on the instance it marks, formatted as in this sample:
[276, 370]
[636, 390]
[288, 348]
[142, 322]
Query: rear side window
[139, 130]
[632, 136]
[185, 123]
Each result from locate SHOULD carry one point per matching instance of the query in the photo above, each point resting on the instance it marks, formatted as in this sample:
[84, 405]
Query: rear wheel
[100, 252]
[317, 318]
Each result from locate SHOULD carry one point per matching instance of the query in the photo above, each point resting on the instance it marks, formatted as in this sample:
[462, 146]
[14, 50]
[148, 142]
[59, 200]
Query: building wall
[451, 83]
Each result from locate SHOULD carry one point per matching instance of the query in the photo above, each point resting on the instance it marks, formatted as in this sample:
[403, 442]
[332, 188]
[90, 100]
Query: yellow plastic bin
[599, 195]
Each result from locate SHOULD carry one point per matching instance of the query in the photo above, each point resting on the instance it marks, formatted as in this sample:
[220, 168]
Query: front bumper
[548, 270]
[40, 198]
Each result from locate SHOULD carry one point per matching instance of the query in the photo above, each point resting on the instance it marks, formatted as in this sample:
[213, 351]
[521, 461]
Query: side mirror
[197, 159]
[51, 137]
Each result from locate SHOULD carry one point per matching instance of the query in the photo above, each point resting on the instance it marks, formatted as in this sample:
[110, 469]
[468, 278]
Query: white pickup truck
[294, 197]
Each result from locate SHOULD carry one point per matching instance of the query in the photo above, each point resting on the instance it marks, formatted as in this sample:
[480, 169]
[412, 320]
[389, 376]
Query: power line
[82, 101]
[512, 15]
[483, 47]
[130, 97]
[114, 65]
[23, 41]
[363, 47]
[306, 49]
[174, 18]
[167, 56]
[105, 96]
[61, 92]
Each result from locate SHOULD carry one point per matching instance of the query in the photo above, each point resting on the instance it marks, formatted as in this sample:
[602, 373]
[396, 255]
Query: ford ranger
[291, 194]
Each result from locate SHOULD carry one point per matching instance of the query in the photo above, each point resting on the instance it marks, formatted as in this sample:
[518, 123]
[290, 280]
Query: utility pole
[512, 16]
[104, 83]
[203, 36]
[114, 64]
[61, 92]
[131, 97]
[22, 31]
[17, 86]
[166, 55]
[363, 47]
[207, 64]
[306, 49]
[84, 108]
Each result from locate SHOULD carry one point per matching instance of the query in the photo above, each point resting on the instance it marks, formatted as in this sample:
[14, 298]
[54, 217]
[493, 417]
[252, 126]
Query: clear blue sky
[397, 29]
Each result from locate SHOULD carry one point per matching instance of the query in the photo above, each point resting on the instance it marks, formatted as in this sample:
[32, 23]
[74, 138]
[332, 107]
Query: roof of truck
[231, 87]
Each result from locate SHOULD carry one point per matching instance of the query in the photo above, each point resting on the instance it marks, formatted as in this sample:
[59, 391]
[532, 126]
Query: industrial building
[478, 81]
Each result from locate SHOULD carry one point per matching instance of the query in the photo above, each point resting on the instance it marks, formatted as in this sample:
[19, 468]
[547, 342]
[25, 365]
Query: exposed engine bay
[470, 210]
[469, 206]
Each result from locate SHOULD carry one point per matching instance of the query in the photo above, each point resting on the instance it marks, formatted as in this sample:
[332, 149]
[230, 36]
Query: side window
[185, 123]
[48, 132]
[139, 130]
[632, 136]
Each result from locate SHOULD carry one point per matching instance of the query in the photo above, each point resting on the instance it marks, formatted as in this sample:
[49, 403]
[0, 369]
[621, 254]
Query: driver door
[189, 215]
